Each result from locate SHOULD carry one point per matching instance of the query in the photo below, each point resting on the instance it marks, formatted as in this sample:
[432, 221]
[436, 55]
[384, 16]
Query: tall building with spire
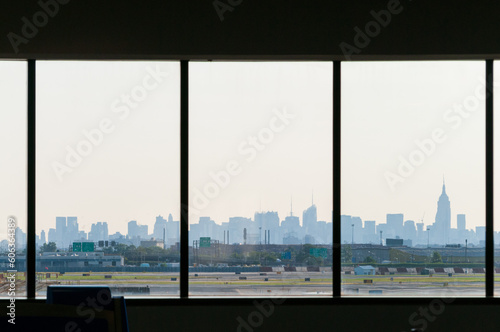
[442, 224]
[310, 220]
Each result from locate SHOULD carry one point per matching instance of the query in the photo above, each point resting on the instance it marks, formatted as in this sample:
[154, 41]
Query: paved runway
[230, 284]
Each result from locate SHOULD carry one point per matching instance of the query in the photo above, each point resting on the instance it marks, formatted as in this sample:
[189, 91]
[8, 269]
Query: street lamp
[428, 233]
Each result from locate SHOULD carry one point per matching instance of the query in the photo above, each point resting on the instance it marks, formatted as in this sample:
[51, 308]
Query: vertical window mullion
[31, 190]
[490, 251]
[336, 255]
[184, 123]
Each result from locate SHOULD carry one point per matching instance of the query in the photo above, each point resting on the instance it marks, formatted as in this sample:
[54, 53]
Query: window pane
[413, 163]
[108, 175]
[260, 178]
[13, 122]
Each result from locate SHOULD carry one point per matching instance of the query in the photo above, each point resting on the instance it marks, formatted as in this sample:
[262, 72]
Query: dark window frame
[184, 163]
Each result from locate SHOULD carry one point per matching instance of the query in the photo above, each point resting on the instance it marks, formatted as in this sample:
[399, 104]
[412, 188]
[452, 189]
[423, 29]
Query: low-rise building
[364, 270]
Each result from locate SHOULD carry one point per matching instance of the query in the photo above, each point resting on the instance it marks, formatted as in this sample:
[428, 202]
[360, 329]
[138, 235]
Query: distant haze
[269, 123]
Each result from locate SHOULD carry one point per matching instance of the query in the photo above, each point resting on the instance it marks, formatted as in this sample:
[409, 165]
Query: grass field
[416, 279]
[293, 282]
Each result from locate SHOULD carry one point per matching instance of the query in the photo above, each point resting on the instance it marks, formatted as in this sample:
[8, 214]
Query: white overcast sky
[134, 172]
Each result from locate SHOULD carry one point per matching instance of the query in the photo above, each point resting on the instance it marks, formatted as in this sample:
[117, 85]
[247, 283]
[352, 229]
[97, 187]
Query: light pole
[428, 233]
[466, 250]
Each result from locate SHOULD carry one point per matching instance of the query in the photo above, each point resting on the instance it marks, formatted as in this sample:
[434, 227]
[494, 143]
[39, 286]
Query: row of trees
[293, 255]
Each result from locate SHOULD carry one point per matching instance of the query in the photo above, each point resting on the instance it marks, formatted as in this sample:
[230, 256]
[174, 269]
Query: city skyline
[395, 226]
[440, 227]
[122, 180]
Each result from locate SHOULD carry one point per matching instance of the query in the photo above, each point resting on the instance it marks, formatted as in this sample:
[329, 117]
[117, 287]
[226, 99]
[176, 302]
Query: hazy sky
[13, 143]
[386, 108]
[133, 171]
[231, 104]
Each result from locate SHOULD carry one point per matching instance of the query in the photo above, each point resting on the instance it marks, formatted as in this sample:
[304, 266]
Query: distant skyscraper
[409, 231]
[82, 236]
[143, 232]
[268, 221]
[461, 222]
[369, 232]
[61, 239]
[291, 230]
[160, 227]
[206, 227]
[71, 229]
[99, 232]
[42, 237]
[52, 236]
[236, 225]
[20, 238]
[480, 234]
[133, 229]
[310, 220]
[395, 225]
[173, 231]
[442, 225]
[345, 228]
[358, 229]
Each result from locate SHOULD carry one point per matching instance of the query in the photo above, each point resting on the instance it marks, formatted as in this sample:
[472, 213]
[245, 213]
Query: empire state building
[442, 225]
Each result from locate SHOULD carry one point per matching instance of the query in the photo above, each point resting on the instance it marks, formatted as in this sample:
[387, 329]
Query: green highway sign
[286, 255]
[77, 246]
[204, 242]
[318, 252]
[87, 246]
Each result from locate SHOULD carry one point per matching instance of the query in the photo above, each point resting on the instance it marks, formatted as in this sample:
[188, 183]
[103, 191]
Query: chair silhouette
[90, 300]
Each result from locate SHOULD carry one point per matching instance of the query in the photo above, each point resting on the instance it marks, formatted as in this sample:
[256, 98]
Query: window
[108, 173]
[108, 190]
[260, 178]
[413, 170]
